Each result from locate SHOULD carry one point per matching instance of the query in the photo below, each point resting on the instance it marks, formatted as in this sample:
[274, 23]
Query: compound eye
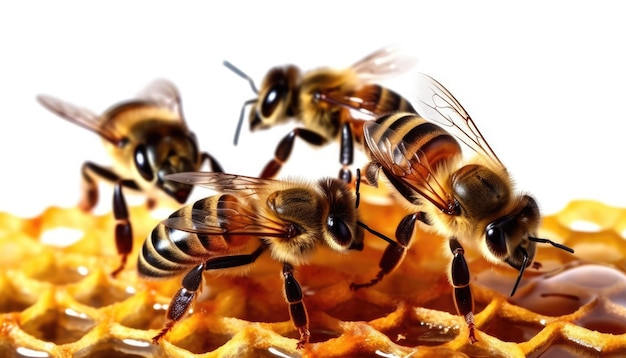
[142, 163]
[340, 232]
[272, 99]
[496, 240]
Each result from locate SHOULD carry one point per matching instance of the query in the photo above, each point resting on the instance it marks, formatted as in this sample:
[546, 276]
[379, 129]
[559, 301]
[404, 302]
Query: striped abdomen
[432, 143]
[171, 248]
[406, 145]
[381, 100]
[377, 100]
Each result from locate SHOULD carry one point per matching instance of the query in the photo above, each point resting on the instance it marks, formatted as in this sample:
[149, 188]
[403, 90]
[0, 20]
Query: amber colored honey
[58, 300]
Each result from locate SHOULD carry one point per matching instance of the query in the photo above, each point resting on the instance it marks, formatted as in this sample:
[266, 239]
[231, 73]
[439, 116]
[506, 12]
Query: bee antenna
[241, 74]
[357, 187]
[240, 122]
[555, 244]
[521, 270]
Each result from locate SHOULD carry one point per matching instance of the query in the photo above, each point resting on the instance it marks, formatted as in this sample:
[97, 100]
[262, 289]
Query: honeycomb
[58, 300]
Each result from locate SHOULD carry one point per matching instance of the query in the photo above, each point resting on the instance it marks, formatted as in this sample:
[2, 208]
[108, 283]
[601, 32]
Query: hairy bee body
[147, 138]
[329, 104]
[143, 124]
[288, 219]
[471, 201]
[169, 252]
[325, 117]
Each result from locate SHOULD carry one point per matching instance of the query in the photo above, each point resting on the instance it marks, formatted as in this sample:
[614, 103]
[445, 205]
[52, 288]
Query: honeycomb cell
[412, 331]
[15, 297]
[98, 290]
[59, 326]
[59, 300]
[120, 348]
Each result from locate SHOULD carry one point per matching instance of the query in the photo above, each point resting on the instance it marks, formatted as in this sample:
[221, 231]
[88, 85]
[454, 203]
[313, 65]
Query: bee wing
[79, 116]
[223, 182]
[435, 103]
[385, 62]
[409, 167]
[165, 94]
[237, 219]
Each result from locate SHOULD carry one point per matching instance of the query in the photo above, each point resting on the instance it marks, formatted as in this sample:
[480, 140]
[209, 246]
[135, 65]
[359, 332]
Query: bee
[147, 138]
[470, 202]
[326, 102]
[250, 216]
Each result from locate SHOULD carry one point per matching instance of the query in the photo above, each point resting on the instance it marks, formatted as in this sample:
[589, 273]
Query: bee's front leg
[90, 174]
[123, 228]
[460, 278]
[346, 153]
[284, 148]
[395, 251]
[213, 163]
[297, 310]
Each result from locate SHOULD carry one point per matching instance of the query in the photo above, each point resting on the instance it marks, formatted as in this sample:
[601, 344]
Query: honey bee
[327, 102]
[249, 217]
[470, 202]
[147, 138]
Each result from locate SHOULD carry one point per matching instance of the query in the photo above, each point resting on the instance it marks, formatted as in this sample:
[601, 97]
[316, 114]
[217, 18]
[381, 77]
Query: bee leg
[182, 300]
[90, 173]
[213, 163]
[346, 153]
[297, 310]
[284, 148]
[123, 228]
[395, 251]
[460, 278]
[192, 281]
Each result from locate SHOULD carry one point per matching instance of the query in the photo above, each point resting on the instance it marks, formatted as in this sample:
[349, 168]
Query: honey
[58, 300]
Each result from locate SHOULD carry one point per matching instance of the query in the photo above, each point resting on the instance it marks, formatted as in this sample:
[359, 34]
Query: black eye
[142, 164]
[496, 240]
[339, 230]
[272, 99]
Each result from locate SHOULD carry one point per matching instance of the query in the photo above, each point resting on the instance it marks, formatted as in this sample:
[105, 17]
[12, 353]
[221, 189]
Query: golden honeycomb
[57, 298]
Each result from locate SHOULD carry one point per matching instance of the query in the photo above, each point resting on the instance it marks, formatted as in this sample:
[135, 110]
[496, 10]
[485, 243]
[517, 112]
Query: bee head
[512, 238]
[162, 154]
[276, 98]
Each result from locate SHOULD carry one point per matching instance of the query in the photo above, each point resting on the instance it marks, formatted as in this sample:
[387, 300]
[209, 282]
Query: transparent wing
[385, 62]
[435, 103]
[165, 94]
[223, 182]
[235, 218]
[80, 116]
[409, 171]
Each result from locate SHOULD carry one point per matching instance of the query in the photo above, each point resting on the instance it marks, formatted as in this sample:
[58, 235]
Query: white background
[543, 80]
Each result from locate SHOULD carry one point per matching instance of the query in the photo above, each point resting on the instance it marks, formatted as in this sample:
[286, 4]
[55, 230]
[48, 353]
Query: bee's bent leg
[395, 251]
[90, 173]
[460, 278]
[213, 163]
[192, 281]
[284, 148]
[222, 262]
[182, 300]
[297, 310]
[346, 153]
[123, 228]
